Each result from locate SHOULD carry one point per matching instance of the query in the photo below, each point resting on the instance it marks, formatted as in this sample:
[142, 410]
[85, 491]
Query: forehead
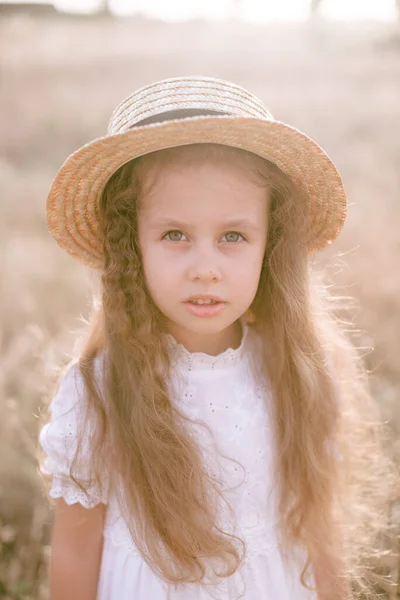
[188, 188]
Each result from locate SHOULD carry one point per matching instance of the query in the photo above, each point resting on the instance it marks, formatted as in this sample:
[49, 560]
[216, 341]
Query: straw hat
[177, 112]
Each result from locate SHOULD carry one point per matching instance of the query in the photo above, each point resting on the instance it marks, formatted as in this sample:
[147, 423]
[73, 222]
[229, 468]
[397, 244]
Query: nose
[204, 267]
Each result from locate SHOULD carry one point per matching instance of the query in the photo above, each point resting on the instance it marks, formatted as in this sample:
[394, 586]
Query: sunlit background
[329, 68]
[252, 11]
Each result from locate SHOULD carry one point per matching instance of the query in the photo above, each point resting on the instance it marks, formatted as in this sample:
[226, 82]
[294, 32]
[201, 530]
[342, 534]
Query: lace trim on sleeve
[72, 494]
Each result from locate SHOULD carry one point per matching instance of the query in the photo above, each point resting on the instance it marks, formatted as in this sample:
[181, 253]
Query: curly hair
[331, 462]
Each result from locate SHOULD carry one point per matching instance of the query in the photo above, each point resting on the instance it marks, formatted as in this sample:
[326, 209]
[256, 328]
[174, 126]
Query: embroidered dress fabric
[228, 395]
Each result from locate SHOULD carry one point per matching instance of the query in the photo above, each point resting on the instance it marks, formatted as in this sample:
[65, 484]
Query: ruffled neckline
[200, 360]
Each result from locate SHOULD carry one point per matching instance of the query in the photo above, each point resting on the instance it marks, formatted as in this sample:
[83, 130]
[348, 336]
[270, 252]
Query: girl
[207, 439]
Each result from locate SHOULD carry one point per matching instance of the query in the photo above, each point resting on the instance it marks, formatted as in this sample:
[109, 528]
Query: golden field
[60, 78]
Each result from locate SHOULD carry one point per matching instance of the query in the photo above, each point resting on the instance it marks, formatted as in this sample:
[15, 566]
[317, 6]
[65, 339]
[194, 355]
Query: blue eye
[174, 235]
[233, 236]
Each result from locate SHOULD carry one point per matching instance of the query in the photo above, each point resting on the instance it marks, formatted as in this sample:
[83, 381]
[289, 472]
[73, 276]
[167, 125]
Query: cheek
[159, 272]
[247, 271]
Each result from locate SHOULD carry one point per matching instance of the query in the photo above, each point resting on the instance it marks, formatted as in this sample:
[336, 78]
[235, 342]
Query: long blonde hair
[331, 463]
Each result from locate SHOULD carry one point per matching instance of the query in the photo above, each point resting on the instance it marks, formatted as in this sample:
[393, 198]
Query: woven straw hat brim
[73, 200]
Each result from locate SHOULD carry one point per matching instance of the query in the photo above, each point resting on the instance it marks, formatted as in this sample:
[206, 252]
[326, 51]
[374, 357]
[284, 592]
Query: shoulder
[70, 396]
[68, 412]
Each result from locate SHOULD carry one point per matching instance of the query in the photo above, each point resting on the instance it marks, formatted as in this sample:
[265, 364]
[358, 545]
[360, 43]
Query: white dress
[226, 393]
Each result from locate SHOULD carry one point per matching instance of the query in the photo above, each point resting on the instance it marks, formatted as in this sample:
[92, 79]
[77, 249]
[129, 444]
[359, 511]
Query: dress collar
[200, 360]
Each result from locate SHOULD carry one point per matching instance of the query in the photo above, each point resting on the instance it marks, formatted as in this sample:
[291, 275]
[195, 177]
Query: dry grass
[60, 80]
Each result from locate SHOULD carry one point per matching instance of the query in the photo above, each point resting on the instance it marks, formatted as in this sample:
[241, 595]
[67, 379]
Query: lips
[207, 305]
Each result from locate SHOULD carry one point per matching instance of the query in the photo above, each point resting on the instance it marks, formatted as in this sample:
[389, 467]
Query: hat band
[183, 113]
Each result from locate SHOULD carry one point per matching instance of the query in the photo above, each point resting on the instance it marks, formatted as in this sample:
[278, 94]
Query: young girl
[207, 441]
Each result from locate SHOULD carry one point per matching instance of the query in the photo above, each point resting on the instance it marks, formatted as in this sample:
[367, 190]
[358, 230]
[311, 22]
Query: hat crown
[185, 96]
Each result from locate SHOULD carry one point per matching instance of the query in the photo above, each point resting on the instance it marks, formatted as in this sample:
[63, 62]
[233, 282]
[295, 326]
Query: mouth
[205, 306]
[205, 300]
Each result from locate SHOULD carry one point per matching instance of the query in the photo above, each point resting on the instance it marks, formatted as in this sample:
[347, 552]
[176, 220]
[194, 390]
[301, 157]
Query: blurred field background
[60, 78]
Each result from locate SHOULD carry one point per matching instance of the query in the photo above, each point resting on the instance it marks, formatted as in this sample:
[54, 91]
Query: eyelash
[178, 231]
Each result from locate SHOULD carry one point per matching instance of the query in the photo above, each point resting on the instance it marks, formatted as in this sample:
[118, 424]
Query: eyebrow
[231, 223]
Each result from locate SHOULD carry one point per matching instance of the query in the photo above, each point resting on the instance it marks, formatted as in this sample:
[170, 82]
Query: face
[202, 231]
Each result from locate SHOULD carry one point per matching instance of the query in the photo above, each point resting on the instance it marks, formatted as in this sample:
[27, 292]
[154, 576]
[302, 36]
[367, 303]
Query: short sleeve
[59, 440]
